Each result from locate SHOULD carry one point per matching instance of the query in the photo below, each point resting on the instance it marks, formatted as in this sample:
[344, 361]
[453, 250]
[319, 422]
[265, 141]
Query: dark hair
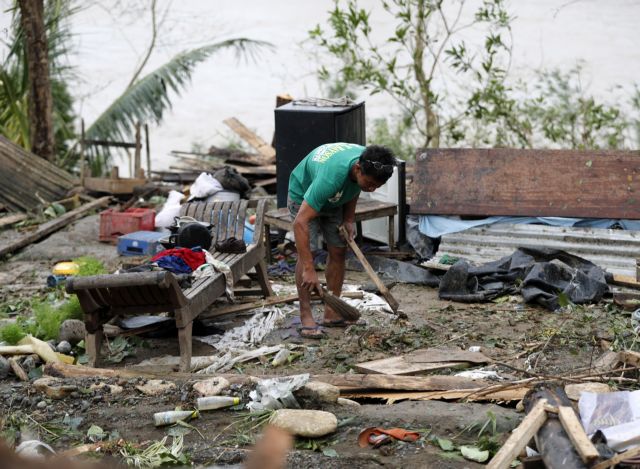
[377, 161]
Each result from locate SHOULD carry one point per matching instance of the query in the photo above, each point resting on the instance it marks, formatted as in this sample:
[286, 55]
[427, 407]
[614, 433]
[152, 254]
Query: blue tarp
[435, 226]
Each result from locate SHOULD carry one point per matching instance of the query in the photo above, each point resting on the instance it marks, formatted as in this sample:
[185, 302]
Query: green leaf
[474, 454]
[445, 445]
[330, 452]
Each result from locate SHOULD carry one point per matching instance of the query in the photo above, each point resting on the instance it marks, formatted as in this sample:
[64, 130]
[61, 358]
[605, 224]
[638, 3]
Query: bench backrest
[562, 183]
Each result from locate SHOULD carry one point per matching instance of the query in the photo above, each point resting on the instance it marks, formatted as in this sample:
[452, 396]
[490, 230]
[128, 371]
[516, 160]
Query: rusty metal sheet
[563, 183]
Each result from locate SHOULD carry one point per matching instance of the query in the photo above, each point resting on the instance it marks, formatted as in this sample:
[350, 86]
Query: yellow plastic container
[66, 268]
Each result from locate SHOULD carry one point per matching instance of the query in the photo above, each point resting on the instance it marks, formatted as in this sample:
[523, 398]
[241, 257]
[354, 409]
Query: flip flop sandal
[320, 334]
[342, 323]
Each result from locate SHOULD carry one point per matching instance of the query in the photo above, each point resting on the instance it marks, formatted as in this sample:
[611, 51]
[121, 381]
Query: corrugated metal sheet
[614, 250]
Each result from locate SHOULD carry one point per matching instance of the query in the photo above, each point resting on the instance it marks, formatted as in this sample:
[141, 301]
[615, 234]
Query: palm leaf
[148, 99]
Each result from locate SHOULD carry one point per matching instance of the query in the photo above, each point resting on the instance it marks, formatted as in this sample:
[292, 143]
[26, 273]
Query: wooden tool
[393, 303]
[344, 309]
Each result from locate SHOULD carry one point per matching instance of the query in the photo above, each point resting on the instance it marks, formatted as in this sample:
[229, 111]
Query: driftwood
[53, 226]
[12, 219]
[266, 150]
[356, 383]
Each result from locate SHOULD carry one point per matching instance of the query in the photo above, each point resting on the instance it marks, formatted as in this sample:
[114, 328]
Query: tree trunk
[40, 99]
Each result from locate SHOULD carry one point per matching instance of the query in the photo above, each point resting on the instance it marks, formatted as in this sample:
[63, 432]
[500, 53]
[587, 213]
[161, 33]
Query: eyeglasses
[387, 168]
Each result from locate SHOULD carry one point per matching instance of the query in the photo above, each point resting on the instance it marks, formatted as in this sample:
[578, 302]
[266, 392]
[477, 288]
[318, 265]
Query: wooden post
[83, 163]
[148, 150]
[572, 426]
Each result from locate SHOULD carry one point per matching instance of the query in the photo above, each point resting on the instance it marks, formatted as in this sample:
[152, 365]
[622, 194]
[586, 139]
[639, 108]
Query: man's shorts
[326, 223]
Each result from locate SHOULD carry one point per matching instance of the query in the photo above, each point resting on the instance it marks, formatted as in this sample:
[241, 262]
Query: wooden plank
[618, 458]
[422, 361]
[251, 138]
[113, 186]
[625, 281]
[520, 437]
[588, 453]
[242, 214]
[365, 382]
[12, 219]
[469, 395]
[593, 184]
[53, 225]
[384, 291]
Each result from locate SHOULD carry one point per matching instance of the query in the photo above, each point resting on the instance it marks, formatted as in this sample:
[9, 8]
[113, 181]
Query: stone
[30, 362]
[155, 387]
[64, 347]
[319, 392]
[5, 367]
[212, 386]
[41, 405]
[72, 331]
[305, 423]
[103, 387]
[347, 402]
[53, 387]
[574, 390]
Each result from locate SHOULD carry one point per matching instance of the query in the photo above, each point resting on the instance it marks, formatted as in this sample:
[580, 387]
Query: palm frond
[148, 99]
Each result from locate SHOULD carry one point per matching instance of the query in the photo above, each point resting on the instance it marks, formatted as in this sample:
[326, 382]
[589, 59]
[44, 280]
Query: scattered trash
[170, 210]
[34, 449]
[172, 416]
[276, 393]
[216, 402]
[481, 374]
[305, 423]
[615, 414]
[281, 357]
[376, 436]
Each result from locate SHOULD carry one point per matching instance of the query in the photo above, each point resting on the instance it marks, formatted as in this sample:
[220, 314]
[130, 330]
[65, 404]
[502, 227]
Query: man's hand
[350, 228]
[310, 281]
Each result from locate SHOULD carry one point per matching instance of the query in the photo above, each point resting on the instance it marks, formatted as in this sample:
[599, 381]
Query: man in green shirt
[323, 192]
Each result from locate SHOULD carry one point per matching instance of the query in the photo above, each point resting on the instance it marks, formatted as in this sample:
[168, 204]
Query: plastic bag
[276, 393]
[170, 210]
[204, 186]
[615, 414]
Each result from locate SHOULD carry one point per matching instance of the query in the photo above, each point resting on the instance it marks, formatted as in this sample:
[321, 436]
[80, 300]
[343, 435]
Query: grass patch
[89, 266]
[12, 333]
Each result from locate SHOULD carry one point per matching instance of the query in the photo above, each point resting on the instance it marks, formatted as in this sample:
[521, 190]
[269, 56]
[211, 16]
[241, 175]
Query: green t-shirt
[322, 177]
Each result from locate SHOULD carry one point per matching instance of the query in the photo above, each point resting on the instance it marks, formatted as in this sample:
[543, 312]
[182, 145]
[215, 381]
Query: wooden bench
[365, 210]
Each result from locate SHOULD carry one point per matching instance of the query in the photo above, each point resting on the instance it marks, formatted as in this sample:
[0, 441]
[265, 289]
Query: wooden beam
[384, 291]
[520, 437]
[106, 143]
[12, 219]
[500, 181]
[588, 453]
[618, 458]
[251, 138]
[53, 226]
[360, 382]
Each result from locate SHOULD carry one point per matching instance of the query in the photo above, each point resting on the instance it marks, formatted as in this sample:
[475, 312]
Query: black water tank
[300, 129]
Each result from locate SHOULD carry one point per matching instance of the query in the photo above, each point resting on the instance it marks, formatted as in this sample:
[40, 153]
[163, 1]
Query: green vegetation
[50, 311]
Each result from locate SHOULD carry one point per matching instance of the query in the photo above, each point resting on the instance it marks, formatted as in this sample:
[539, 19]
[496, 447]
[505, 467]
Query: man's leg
[335, 278]
[306, 318]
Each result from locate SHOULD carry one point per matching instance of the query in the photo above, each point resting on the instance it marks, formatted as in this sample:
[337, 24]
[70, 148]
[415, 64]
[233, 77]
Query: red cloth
[368, 435]
[193, 259]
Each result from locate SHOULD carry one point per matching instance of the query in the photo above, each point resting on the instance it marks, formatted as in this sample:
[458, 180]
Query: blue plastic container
[248, 232]
[140, 243]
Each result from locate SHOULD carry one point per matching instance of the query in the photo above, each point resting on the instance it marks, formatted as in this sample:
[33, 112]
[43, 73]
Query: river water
[110, 37]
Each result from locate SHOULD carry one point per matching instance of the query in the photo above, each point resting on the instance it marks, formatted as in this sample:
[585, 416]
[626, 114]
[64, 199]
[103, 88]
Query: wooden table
[365, 210]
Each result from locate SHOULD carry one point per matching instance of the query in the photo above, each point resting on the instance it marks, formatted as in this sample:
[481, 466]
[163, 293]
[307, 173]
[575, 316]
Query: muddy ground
[516, 336]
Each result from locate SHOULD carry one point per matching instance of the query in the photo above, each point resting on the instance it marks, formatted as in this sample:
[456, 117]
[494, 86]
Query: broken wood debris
[423, 361]
[53, 226]
[266, 150]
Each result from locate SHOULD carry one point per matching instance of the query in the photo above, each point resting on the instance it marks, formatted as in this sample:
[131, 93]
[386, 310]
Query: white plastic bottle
[216, 402]
[172, 416]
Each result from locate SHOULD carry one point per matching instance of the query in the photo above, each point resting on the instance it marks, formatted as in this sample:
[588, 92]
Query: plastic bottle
[281, 357]
[217, 402]
[172, 416]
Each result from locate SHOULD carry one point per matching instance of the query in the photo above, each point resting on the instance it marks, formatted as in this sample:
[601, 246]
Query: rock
[72, 331]
[41, 405]
[573, 390]
[111, 388]
[319, 392]
[64, 347]
[155, 387]
[306, 423]
[4, 367]
[347, 402]
[30, 362]
[53, 387]
[212, 386]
